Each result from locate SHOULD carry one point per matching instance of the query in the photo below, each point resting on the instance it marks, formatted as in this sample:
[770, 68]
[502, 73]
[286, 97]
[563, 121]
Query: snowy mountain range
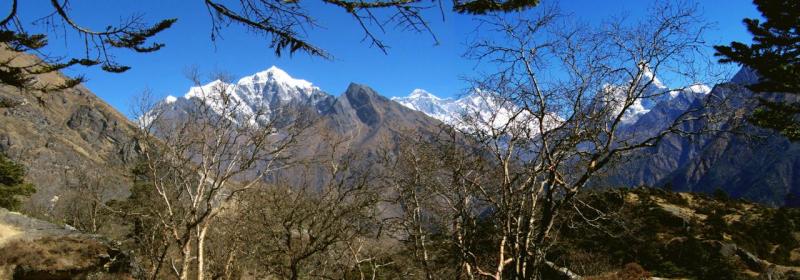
[479, 107]
[452, 110]
[268, 91]
[263, 94]
[366, 118]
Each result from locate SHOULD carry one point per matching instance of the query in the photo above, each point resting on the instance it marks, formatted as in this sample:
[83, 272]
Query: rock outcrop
[35, 249]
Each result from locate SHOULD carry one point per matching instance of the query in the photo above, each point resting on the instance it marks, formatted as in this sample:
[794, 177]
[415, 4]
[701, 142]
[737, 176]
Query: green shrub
[12, 184]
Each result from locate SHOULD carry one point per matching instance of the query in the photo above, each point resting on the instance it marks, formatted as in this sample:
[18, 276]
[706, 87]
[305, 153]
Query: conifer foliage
[132, 34]
[12, 184]
[775, 56]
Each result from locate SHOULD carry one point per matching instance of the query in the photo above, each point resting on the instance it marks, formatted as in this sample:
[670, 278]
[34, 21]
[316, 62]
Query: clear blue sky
[413, 60]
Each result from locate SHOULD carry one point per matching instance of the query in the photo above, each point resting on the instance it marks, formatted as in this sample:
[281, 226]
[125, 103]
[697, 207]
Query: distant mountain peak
[277, 75]
[421, 93]
[170, 99]
[421, 100]
[447, 110]
[745, 77]
[204, 90]
[362, 93]
[650, 77]
[265, 92]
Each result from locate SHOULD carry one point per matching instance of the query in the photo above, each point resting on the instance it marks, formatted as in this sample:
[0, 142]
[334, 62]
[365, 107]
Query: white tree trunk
[201, 241]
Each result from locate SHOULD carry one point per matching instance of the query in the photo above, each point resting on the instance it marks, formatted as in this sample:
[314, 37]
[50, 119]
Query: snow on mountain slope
[267, 92]
[653, 92]
[491, 112]
[479, 108]
[425, 102]
[262, 94]
[447, 110]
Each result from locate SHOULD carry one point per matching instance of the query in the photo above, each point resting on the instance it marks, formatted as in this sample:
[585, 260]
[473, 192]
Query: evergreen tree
[775, 56]
[12, 184]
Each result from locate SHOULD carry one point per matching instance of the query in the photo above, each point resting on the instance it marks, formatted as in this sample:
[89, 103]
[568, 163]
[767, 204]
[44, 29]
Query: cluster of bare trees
[494, 190]
[482, 199]
[222, 191]
[307, 231]
[193, 166]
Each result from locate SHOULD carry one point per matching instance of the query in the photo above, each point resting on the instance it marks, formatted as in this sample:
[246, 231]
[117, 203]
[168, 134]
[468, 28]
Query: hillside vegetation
[679, 235]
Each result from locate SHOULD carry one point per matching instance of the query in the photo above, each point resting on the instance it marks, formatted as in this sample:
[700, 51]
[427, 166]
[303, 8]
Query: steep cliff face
[370, 118]
[363, 123]
[58, 135]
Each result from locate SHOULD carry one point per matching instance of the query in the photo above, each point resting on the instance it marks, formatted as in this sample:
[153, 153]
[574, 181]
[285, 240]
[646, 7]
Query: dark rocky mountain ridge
[746, 161]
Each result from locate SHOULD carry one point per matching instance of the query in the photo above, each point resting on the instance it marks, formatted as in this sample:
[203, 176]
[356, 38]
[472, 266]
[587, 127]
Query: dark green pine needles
[12, 184]
[775, 56]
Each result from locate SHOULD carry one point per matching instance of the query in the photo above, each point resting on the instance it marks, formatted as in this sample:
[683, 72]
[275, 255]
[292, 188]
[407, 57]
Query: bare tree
[437, 211]
[561, 103]
[550, 136]
[195, 164]
[84, 204]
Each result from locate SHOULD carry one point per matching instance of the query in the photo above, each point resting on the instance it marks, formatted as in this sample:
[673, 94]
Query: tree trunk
[229, 263]
[186, 252]
[201, 241]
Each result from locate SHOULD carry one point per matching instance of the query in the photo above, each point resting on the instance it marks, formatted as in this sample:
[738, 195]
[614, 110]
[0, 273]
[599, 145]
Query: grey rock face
[360, 99]
[745, 77]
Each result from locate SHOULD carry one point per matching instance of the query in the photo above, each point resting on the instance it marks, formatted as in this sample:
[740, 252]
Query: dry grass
[7, 233]
[54, 257]
[631, 271]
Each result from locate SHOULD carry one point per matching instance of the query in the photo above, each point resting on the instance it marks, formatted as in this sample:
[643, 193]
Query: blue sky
[413, 60]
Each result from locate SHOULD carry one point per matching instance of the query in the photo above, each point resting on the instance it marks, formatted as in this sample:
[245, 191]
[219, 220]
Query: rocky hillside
[60, 136]
[678, 235]
[368, 118]
[744, 161]
[34, 249]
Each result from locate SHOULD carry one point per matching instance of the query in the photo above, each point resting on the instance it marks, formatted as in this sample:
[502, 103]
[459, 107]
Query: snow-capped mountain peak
[275, 75]
[421, 93]
[209, 88]
[649, 77]
[260, 95]
[433, 106]
[447, 110]
[170, 99]
[478, 103]
[476, 110]
[653, 92]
